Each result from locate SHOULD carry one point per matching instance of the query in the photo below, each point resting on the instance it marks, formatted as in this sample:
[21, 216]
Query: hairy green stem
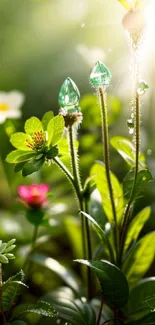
[86, 240]
[33, 243]
[105, 135]
[129, 205]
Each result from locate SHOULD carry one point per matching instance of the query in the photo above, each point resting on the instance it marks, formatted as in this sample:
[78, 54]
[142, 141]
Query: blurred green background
[42, 42]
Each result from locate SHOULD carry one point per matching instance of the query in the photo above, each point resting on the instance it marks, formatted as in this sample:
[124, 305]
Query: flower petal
[24, 191]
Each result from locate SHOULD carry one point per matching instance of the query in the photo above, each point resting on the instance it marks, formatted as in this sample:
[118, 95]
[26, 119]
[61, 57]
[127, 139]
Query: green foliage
[72, 310]
[125, 4]
[113, 283]
[140, 258]
[11, 290]
[136, 226]
[126, 149]
[5, 249]
[35, 216]
[143, 178]
[37, 145]
[142, 299]
[147, 320]
[68, 276]
[99, 173]
[41, 308]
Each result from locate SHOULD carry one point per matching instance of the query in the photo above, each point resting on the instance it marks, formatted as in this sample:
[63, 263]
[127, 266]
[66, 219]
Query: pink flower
[33, 195]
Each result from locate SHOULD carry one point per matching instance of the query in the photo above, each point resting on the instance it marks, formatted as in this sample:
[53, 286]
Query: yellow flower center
[4, 107]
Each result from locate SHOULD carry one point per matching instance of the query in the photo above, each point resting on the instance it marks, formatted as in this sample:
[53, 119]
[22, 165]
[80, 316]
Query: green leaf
[32, 125]
[147, 320]
[46, 119]
[11, 289]
[126, 149]
[66, 275]
[125, 4]
[140, 258]
[136, 226]
[32, 166]
[17, 156]
[143, 177]
[53, 152]
[97, 227]
[142, 299]
[20, 141]
[41, 308]
[113, 283]
[73, 229]
[74, 311]
[3, 259]
[99, 172]
[18, 167]
[55, 130]
[10, 242]
[2, 247]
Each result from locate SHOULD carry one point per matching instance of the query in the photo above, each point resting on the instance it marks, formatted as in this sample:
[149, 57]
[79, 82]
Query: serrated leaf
[113, 283]
[55, 130]
[142, 299]
[99, 172]
[32, 166]
[19, 140]
[46, 119]
[127, 150]
[136, 226]
[32, 125]
[41, 308]
[143, 177]
[18, 156]
[140, 258]
[10, 293]
[66, 275]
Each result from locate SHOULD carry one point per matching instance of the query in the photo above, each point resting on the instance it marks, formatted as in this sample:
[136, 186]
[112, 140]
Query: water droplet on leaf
[100, 75]
[69, 96]
[142, 87]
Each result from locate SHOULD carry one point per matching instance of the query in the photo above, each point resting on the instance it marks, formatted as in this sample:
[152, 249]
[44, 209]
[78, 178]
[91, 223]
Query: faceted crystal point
[100, 75]
[142, 87]
[69, 96]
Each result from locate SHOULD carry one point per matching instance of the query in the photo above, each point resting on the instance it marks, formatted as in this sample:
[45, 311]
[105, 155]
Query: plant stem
[129, 205]
[64, 170]
[82, 205]
[1, 302]
[34, 238]
[105, 136]
[100, 312]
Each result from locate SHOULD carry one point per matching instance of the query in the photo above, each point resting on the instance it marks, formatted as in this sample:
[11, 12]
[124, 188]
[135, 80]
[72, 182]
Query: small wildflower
[10, 104]
[33, 195]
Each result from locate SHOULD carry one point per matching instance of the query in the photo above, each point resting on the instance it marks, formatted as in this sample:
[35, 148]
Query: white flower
[10, 103]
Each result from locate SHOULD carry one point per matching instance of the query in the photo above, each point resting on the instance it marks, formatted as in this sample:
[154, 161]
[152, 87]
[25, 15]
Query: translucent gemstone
[100, 75]
[130, 124]
[142, 87]
[69, 96]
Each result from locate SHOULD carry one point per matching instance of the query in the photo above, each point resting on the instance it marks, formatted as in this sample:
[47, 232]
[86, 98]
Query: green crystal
[100, 75]
[69, 96]
[142, 87]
